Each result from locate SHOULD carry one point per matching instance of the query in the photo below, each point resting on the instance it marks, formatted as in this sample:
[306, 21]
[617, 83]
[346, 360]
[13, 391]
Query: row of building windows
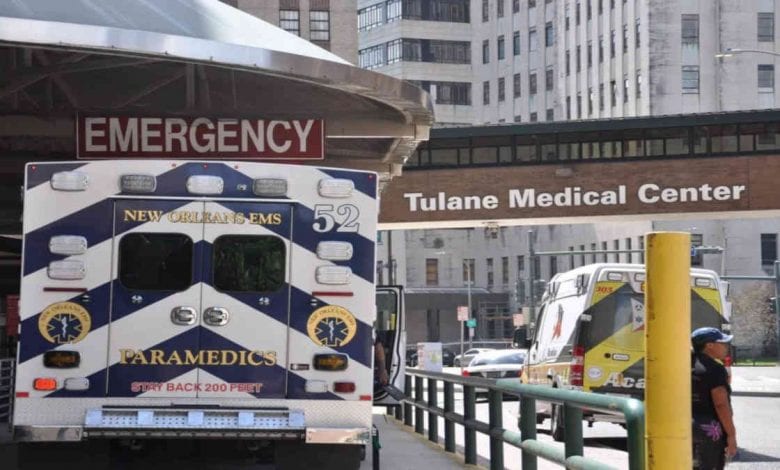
[458, 93]
[588, 10]
[319, 23]
[765, 78]
[451, 11]
[593, 146]
[533, 43]
[500, 4]
[590, 98]
[415, 50]
[599, 51]
[765, 28]
[517, 85]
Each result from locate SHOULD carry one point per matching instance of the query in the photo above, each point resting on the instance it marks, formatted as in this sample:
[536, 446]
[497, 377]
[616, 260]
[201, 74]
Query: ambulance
[589, 332]
[200, 300]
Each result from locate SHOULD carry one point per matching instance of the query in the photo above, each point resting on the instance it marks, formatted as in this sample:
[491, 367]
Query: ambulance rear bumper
[194, 423]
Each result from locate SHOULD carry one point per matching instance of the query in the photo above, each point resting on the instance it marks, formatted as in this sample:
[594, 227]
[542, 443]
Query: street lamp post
[731, 52]
[468, 296]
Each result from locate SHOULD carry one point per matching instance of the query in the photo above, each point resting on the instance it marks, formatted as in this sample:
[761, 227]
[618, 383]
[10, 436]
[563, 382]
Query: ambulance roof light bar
[334, 251]
[269, 187]
[205, 185]
[336, 188]
[69, 181]
[68, 245]
[138, 184]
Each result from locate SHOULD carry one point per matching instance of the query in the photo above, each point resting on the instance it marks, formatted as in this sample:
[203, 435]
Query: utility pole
[468, 294]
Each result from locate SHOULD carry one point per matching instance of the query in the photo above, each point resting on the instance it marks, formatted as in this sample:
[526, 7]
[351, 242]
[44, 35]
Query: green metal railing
[573, 403]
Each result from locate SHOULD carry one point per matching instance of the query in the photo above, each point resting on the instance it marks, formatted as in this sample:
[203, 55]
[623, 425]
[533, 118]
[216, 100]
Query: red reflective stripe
[64, 289]
[331, 294]
[22, 394]
[366, 398]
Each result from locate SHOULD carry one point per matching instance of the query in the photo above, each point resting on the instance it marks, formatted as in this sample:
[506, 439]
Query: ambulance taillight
[577, 366]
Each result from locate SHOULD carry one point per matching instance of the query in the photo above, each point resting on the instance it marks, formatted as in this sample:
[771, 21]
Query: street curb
[755, 394]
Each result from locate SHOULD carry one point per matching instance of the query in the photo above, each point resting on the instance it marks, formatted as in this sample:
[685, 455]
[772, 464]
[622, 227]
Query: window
[489, 268]
[501, 93]
[589, 54]
[534, 117]
[690, 79]
[625, 38]
[431, 272]
[601, 97]
[448, 92]
[520, 263]
[516, 85]
[319, 25]
[604, 246]
[372, 57]
[548, 79]
[531, 4]
[601, 49]
[616, 247]
[566, 18]
[485, 51]
[518, 118]
[590, 100]
[626, 86]
[549, 34]
[532, 83]
[636, 35]
[638, 84]
[516, 43]
[697, 239]
[500, 47]
[582, 256]
[394, 51]
[579, 105]
[766, 77]
[766, 27]
[249, 263]
[289, 20]
[593, 245]
[553, 266]
[549, 114]
[690, 29]
[485, 11]
[394, 12]
[568, 62]
[568, 107]
[571, 259]
[577, 60]
[613, 92]
[589, 9]
[468, 271]
[515, 6]
[768, 249]
[641, 240]
[577, 14]
[601, 10]
[500, 8]
[533, 41]
[368, 18]
[505, 270]
[612, 44]
[486, 92]
[629, 255]
[155, 261]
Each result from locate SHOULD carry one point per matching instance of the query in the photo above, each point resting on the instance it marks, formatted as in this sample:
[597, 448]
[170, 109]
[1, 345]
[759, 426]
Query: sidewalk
[756, 381]
[402, 449]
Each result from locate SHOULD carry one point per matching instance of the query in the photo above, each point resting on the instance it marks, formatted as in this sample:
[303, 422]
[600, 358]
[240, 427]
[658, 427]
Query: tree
[752, 321]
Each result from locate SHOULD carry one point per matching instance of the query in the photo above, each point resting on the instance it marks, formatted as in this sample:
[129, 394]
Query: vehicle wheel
[556, 423]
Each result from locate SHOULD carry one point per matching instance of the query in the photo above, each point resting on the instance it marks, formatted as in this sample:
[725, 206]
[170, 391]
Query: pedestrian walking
[714, 434]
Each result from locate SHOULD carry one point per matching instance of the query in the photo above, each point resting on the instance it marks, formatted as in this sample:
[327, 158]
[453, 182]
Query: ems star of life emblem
[64, 322]
[331, 326]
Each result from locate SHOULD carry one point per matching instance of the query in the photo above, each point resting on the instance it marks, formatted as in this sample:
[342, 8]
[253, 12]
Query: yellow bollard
[668, 351]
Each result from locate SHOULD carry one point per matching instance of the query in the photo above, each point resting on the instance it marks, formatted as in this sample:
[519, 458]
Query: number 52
[326, 218]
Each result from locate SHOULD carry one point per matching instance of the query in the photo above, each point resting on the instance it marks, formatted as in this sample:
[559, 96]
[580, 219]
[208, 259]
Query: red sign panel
[199, 137]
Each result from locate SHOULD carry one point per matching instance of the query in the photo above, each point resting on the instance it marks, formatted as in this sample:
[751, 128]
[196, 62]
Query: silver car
[467, 356]
[498, 364]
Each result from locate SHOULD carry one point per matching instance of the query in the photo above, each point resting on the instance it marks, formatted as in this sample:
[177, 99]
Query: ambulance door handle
[184, 315]
[216, 316]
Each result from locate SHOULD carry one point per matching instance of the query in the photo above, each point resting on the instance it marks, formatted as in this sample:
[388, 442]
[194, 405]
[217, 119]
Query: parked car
[497, 364]
[468, 356]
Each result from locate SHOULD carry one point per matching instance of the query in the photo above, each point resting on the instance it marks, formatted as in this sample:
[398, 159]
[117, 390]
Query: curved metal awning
[190, 57]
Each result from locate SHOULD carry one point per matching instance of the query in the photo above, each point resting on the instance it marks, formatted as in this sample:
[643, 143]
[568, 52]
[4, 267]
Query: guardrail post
[496, 402]
[407, 406]
[635, 425]
[449, 425]
[433, 420]
[419, 413]
[528, 430]
[572, 430]
[469, 415]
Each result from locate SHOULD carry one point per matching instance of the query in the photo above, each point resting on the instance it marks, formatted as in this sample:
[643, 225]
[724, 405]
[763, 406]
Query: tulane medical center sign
[582, 192]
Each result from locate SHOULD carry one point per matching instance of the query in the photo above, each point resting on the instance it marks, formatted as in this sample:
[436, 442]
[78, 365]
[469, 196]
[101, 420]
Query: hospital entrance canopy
[63, 59]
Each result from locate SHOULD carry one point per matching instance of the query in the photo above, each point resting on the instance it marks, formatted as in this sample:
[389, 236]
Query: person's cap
[710, 335]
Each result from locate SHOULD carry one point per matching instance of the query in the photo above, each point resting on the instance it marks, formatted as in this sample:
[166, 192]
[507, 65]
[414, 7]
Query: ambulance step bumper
[194, 423]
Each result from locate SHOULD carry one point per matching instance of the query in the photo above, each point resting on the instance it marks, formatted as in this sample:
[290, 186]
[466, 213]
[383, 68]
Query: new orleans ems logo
[64, 322]
[331, 326]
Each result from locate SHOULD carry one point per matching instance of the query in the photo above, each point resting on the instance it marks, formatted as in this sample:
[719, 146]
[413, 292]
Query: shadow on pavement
[747, 456]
